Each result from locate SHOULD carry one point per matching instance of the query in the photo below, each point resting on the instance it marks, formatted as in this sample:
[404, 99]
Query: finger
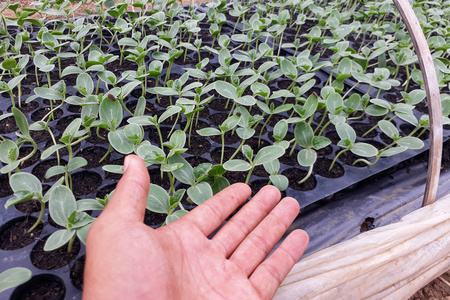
[130, 197]
[263, 238]
[235, 230]
[209, 215]
[268, 276]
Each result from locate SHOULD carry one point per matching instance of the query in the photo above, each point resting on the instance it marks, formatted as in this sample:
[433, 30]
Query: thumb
[130, 197]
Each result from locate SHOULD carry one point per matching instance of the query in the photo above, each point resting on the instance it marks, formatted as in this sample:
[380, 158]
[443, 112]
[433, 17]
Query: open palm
[128, 260]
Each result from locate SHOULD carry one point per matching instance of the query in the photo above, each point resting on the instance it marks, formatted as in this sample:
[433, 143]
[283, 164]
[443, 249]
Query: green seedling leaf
[364, 149]
[19, 197]
[70, 133]
[9, 64]
[393, 151]
[237, 165]
[120, 142]
[140, 107]
[113, 169]
[280, 130]
[9, 151]
[158, 200]
[175, 216]
[129, 87]
[411, 142]
[58, 239]
[134, 133]
[201, 171]
[111, 112]
[85, 84]
[268, 154]
[346, 132]
[15, 81]
[226, 90]
[14, 277]
[79, 219]
[89, 204]
[200, 192]
[48, 93]
[272, 167]
[186, 173]
[55, 170]
[178, 139]
[83, 232]
[303, 134]
[388, 129]
[306, 157]
[319, 142]
[279, 181]
[172, 110]
[62, 204]
[288, 69]
[246, 100]
[25, 182]
[50, 150]
[75, 163]
[21, 121]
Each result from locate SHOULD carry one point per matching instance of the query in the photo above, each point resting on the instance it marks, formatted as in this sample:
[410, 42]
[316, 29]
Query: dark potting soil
[25, 151]
[362, 128]
[26, 107]
[42, 112]
[117, 68]
[25, 91]
[5, 189]
[154, 219]
[29, 206]
[349, 158]
[290, 160]
[229, 138]
[41, 287]
[227, 153]
[94, 139]
[234, 177]
[219, 104]
[41, 168]
[93, 155]
[199, 145]
[8, 125]
[261, 172]
[49, 260]
[196, 160]
[14, 234]
[40, 136]
[105, 191]
[77, 271]
[295, 175]
[85, 183]
[323, 164]
[155, 177]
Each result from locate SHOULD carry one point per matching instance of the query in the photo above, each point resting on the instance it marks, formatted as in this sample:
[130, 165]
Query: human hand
[126, 259]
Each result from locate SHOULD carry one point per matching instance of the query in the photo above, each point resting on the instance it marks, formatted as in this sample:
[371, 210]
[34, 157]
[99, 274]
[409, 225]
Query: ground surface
[435, 290]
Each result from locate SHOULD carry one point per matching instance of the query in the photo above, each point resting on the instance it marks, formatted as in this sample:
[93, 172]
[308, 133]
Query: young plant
[26, 187]
[264, 155]
[63, 210]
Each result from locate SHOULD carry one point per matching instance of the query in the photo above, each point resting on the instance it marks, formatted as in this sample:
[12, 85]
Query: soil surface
[14, 234]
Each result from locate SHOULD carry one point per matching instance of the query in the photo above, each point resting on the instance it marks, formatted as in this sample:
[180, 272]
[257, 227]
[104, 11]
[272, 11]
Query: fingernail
[126, 163]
